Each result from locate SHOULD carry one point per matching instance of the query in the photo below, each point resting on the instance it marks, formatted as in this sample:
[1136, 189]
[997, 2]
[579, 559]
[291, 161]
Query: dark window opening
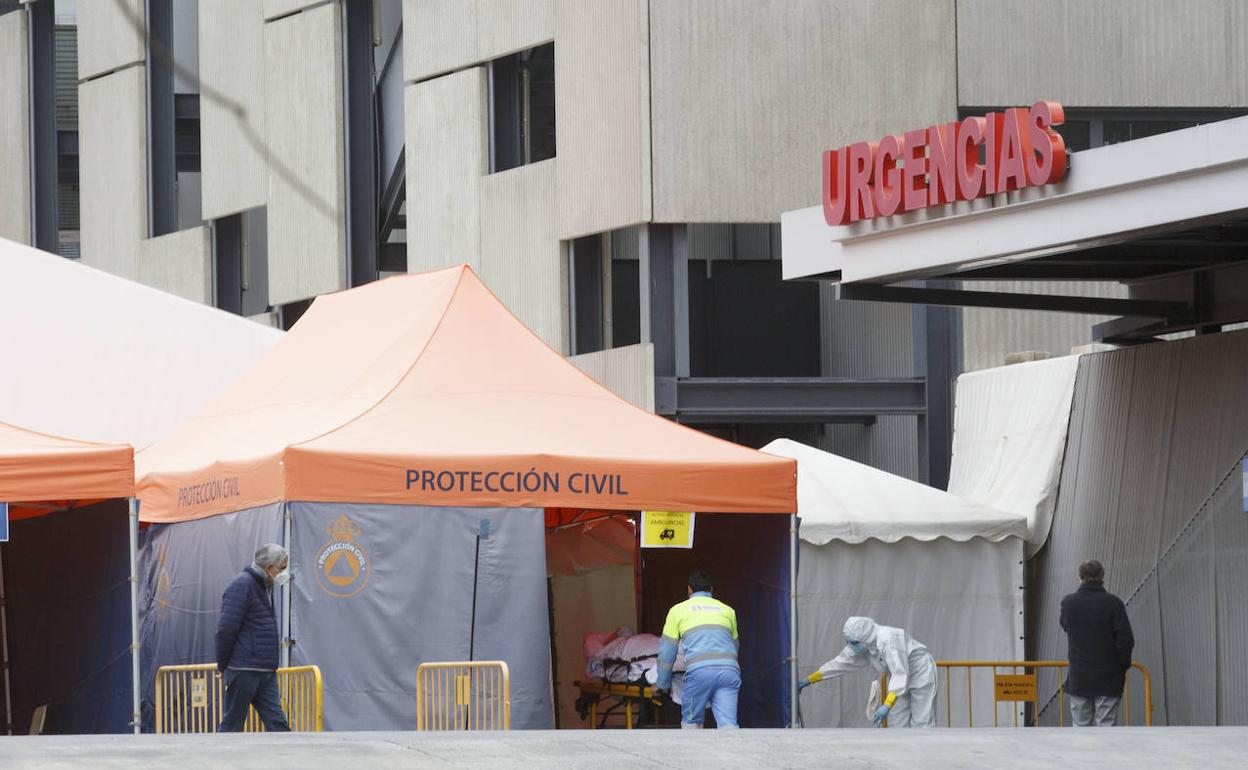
[605, 283]
[290, 313]
[745, 320]
[241, 263]
[522, 108]
[173, 147]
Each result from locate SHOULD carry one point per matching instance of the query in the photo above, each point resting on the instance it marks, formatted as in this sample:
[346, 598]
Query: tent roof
[425, 389]
[37, 467]
[839, 499]
[94, 356]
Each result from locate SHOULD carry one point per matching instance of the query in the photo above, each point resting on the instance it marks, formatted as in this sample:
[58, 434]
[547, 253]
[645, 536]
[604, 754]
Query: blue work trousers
[243, 689]
[717, 685]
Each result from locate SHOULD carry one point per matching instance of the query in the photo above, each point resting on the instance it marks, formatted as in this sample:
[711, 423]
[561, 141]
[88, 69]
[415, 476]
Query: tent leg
[4, 643]
[285, 659]
[136, 709]
[793, 620]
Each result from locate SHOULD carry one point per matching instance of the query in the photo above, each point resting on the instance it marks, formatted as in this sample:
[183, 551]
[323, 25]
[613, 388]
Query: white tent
[946, 569]
[104, 359]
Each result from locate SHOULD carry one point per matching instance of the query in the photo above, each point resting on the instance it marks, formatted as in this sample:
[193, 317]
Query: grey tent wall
[1150, 487]
[184, 570]
[404, 596]
[958, 598]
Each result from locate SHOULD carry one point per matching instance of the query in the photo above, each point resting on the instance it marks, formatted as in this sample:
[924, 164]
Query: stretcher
[635, 700]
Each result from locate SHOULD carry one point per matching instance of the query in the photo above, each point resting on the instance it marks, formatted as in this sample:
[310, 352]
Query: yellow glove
[815, 677]
[890, 700]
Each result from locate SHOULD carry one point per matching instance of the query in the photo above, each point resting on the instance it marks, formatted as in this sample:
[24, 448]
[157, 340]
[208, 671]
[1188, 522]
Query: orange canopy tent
[425, 389]
[55, 471]
[41, 474]
[422, 393]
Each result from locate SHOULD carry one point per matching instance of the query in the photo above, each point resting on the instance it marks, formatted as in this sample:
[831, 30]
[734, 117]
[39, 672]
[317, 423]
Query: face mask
[281, 578]
[858, 647]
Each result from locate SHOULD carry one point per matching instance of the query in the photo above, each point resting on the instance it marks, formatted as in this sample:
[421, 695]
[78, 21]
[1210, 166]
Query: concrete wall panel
[438, 36]
[304, 133]
[110, 35]
[445, 35]
[1112, 53]
[628, 372]
[231, 35]
[990, 334]
[504, 28]
[112, 140]
[447, 155]
[14, 130]
[602, 115]
[179, 263]
[521, 258]
[745, 100]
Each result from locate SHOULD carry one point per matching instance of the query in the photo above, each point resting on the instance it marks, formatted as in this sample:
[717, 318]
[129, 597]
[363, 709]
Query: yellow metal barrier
[463, 695]
[1019, 686]
[191, 699]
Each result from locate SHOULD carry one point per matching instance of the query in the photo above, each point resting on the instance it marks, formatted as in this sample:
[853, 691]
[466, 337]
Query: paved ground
[1206, 747]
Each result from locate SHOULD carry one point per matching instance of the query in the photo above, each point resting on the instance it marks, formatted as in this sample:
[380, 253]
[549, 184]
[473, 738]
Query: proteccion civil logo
[342, 564]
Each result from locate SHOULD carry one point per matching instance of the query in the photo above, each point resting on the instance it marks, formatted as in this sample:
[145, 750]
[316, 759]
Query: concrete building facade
[614, 169]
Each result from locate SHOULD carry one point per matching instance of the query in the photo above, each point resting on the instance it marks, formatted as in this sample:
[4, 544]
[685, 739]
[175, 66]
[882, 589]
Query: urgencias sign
[940, 164]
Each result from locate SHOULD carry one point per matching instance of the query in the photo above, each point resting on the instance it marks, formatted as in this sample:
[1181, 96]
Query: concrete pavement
[1139, 747]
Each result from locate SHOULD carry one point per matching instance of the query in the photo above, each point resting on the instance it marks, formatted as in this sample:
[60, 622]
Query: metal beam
[793, 399]
[361, 142]
[664, 286]
[162, 168]
[1013, 301]
[41, 23]
[937, 356]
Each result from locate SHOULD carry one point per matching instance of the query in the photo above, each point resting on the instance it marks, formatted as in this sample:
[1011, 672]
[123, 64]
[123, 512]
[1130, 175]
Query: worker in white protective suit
[911, 697]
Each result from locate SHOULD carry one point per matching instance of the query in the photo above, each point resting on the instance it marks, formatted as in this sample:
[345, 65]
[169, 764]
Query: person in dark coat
[1100, 642]
[247, 643]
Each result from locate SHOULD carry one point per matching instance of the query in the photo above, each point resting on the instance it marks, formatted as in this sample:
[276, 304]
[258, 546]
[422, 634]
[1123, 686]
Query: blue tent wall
[67, 590]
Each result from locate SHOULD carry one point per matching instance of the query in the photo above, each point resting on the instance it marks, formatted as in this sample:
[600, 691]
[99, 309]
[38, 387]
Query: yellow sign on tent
[666, 529]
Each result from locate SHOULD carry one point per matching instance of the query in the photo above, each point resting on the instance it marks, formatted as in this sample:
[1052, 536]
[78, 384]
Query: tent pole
[136, 710]
[285, 661]
[793, 620]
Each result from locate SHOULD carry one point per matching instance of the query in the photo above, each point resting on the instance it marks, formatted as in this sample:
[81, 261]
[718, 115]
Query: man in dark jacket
[1100, 642]
[247, 643]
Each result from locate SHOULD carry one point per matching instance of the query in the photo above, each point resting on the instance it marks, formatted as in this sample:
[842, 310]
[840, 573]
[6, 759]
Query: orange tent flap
[37, 467]
[458, 404]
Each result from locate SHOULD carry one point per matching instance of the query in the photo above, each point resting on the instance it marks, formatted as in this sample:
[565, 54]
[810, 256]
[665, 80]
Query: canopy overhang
[55, 473]
[839, 499]
[1153, 213]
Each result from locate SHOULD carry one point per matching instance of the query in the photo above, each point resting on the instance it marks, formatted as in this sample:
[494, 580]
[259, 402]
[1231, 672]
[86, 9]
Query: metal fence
[191, 699]
[1016, 683]
[463, 695]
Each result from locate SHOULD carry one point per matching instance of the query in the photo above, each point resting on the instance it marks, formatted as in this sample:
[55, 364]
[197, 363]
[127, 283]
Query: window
[174, 192]
[522, 108]
[241, 262]
[604, 273]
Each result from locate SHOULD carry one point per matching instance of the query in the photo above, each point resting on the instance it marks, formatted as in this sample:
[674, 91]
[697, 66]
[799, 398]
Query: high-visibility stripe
[710, 627]
[710, 656]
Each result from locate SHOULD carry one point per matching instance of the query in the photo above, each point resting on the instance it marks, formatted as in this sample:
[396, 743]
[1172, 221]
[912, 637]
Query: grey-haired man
[247, 643]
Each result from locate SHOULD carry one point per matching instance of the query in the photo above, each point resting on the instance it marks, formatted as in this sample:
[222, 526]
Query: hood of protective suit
[861, 630]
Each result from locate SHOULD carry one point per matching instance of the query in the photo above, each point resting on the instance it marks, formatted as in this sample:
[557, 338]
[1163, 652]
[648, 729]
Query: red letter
[835, 212]
[1047, 163]
[914, 174]
[887, 189]
[942, 184]
[992, 151]
[970, 170]
[859, 181]
[1015, 147]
